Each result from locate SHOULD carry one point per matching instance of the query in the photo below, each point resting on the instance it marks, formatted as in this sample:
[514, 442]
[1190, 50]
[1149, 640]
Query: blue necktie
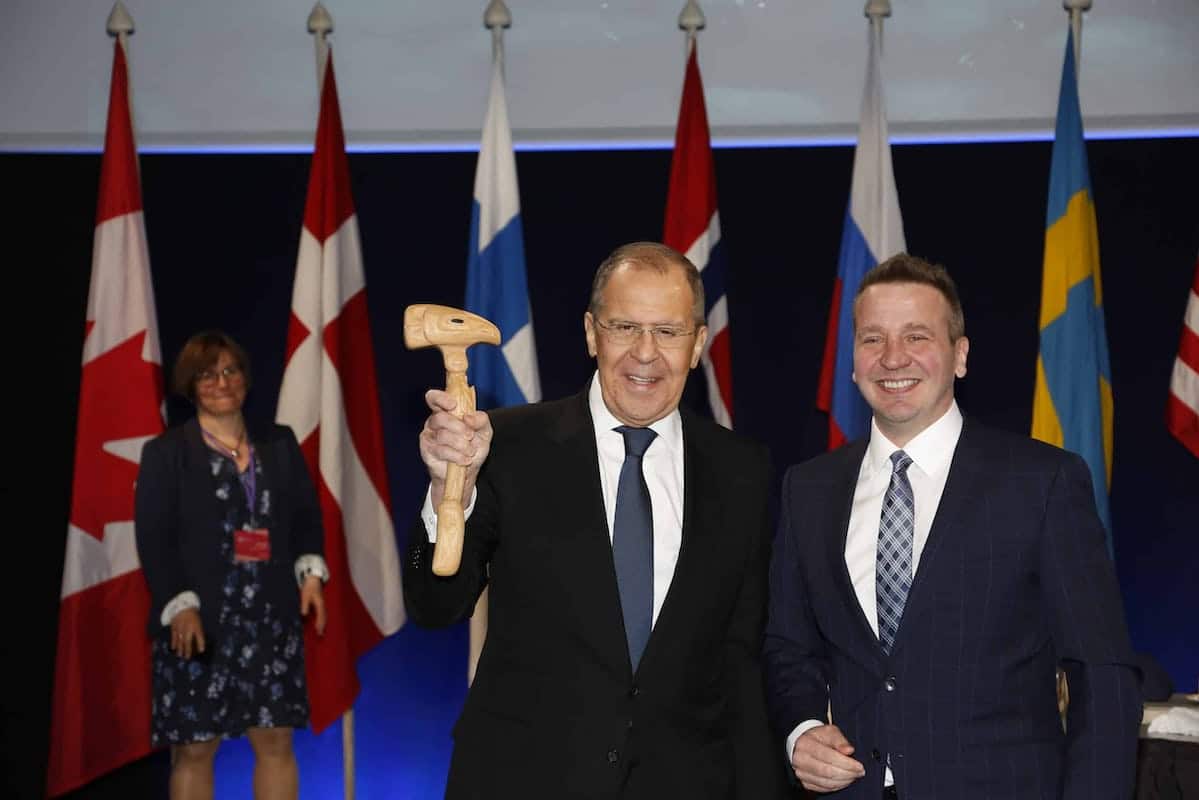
[633, 542]
[893, 567]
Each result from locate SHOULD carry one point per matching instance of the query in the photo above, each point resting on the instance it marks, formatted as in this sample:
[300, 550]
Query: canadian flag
[100, 717]
[330, 399]
[1182, 408]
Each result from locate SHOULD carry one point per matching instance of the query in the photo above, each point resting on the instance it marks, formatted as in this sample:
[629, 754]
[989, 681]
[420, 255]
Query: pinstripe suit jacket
[1014, 580]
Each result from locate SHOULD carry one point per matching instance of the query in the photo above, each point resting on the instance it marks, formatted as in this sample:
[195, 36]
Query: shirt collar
[669, 428]
[931, 450]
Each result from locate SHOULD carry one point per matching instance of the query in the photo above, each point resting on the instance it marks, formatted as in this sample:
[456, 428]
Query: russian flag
[1072, 401]
[693, 228]
[873, 232]
[496, 287]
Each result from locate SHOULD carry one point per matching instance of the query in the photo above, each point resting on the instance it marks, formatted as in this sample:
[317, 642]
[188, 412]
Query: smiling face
[904, 361]
[221, 387]
[642, 382]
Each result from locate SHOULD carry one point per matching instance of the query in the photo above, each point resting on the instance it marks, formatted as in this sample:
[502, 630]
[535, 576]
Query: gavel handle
[447, 552]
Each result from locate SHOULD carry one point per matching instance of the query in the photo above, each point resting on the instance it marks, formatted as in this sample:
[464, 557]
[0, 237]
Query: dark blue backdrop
[223, 234]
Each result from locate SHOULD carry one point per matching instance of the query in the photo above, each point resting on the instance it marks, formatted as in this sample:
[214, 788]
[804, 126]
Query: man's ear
[701, 337]
[589, 333]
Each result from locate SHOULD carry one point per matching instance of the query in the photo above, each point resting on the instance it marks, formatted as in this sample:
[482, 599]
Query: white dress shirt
[931, 452]
[662, 466]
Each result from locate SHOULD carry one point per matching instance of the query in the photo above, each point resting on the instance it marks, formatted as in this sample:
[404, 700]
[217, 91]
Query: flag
[872, 233]
[496, 287]
[100, 714]
[1072, 401]
[693, 228]
[1182, 408]
[330, 399]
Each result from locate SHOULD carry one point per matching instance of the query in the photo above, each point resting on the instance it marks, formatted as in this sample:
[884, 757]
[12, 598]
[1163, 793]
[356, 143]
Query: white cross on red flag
[100, 717]
[330, 399]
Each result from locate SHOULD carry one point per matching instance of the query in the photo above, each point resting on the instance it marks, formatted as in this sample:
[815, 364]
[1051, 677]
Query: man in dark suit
[625, 543]
[926, 584]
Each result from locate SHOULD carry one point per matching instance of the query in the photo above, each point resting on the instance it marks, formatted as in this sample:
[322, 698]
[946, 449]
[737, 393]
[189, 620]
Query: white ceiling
[240, 74]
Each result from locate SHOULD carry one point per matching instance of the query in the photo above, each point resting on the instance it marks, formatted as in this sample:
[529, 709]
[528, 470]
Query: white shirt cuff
[428, 514]
[799, 731]
[180, 602]
[311, 564]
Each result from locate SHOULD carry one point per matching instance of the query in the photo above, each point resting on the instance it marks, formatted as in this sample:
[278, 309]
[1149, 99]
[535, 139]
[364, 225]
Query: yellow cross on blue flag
[1072, 403]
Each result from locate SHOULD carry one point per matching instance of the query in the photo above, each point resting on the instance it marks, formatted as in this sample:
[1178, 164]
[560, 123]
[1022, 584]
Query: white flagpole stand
[320, 25]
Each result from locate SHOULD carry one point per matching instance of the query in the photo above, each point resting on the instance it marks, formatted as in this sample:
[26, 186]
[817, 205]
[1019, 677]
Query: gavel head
[428, 325]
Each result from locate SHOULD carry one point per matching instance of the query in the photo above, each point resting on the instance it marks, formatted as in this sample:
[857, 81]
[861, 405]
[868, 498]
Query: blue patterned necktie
[893, 568]
[633, 542]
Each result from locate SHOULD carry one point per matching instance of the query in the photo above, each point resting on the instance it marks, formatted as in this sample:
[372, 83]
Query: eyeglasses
[208, 377]
[666, 337]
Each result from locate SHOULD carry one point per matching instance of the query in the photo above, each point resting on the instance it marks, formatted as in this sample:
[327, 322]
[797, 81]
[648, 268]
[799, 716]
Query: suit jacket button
[613, 756]
[633, 692]
[889, 683]
[876, 755]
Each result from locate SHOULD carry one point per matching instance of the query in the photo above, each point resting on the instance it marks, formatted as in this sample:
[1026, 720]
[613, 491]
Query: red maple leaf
[120, 397]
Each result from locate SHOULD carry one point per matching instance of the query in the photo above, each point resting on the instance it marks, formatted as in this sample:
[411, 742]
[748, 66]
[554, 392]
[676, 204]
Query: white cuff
[428, 514]
[180, 602]
[799, 731]
[311, 564]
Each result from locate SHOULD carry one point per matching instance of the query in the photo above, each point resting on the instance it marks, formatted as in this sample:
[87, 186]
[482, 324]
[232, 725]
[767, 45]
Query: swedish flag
[1072, 405]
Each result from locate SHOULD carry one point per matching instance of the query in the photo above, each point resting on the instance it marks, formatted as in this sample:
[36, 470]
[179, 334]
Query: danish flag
[330, 399]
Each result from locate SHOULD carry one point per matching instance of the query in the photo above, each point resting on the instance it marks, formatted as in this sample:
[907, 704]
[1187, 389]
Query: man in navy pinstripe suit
[927, 583]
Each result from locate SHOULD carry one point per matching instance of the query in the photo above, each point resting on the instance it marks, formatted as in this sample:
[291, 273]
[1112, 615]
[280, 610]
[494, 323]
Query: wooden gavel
[450, 330]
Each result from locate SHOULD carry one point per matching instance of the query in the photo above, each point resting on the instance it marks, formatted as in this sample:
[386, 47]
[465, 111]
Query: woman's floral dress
[252, 671]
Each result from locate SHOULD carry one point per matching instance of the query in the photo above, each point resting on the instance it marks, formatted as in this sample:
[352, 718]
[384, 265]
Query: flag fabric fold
[1182, 407]
[330, 399]
[872, 233]
[100, 711]
[693, 228]
[496, 284]
[497, 288]
[1072, 401]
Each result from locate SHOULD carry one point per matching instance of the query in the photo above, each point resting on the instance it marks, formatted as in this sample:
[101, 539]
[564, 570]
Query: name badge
[252, 544]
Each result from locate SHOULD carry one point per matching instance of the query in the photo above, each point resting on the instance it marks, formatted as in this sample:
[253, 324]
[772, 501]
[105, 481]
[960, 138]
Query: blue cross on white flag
[496, 286]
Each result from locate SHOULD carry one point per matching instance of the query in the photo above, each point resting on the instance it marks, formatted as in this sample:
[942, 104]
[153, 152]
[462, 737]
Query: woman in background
[229, 534]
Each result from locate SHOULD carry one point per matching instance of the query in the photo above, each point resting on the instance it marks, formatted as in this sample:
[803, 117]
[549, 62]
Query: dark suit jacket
[555, 710]
[1014, 579]
[178, 518]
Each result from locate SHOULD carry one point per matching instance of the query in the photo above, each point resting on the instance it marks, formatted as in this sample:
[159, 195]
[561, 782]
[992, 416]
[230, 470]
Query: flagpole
[320, 25]
[496, 17]
[1076, 8]
[120, 27]
[691, 21]
[876, 12]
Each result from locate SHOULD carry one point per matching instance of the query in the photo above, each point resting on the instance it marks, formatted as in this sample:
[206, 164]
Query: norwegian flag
[693, 228]
[330, 399]
[100, 716]
[1182, 408]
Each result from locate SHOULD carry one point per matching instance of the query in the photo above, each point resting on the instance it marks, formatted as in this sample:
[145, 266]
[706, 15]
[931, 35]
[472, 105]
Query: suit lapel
[842, 502]
[575, 481]
[698, 482]
[960, 486]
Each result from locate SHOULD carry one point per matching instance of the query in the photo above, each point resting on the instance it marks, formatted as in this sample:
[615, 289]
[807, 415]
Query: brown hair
[654, 256]
[199, 353]
[905, 268]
